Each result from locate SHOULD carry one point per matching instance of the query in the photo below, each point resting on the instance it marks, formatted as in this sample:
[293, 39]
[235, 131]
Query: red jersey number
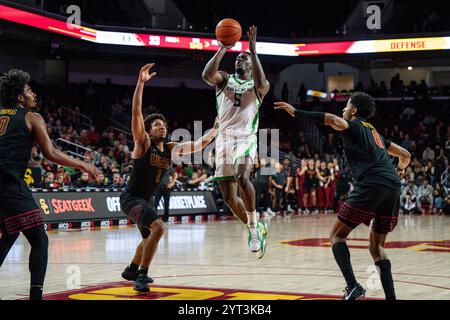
[4, 121]
[158, 176]
[377, 139]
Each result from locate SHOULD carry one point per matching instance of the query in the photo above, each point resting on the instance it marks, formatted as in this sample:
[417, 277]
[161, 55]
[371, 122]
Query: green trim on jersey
[223, 178]
[223, 87]
[258, 97]
[254, 123]
[246, 153]
[217, 103]
[241, 82]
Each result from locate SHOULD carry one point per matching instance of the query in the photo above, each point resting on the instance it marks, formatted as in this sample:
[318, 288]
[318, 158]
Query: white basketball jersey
[238, 108]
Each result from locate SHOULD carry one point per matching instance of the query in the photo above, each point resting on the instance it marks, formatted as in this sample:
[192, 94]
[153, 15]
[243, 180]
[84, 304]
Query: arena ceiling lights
[209, 44]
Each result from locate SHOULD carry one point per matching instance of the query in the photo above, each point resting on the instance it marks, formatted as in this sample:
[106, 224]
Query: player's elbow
[335, 122]
[208, 78]
[405, 156]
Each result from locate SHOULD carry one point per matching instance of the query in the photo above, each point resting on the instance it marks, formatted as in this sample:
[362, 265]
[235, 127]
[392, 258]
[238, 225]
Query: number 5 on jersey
[237, 99]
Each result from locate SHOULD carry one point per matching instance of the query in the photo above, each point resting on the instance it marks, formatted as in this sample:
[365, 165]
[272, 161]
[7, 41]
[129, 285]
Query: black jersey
[311, 177]
[148, 172]
[367, 155]
[16, 142]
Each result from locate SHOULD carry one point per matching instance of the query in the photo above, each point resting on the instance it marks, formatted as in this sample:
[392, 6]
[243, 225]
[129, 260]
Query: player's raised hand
[225, 46]
[286, 107]
[144, 74]
[252, 31]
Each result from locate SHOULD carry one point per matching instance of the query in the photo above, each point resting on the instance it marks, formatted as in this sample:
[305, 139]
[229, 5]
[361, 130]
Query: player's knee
[40, 237]
[40, 242]
[44, 240]
[333, 239]
[158, 228]
[229, 199]
[336, 237]
[242, 179]
[375, 249]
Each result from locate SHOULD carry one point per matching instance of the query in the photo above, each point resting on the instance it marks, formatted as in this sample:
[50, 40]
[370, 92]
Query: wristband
[314, 116]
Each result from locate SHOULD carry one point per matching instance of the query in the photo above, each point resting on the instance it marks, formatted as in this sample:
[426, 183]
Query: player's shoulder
[356, 124]
[34, 114]
[34, 117]
[366, 124]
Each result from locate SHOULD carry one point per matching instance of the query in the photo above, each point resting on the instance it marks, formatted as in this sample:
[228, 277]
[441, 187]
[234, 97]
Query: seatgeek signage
[77, 206]
[209, 44]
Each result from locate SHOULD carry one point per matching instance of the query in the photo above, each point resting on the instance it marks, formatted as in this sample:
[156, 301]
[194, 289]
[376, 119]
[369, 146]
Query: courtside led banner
[209, 44]
[77, 206]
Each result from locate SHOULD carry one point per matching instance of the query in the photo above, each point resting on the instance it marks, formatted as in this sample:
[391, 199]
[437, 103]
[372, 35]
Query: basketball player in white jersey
[239, 97]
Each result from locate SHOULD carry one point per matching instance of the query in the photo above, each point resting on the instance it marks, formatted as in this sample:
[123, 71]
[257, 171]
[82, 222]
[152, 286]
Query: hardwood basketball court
[211, 260]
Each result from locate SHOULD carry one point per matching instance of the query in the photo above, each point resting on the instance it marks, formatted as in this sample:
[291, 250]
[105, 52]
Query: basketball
[228, 31]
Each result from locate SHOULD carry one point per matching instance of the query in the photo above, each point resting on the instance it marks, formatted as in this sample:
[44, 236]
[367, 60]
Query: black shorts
[18, 209]
[141, 212]
[367, 203]
[309, 186]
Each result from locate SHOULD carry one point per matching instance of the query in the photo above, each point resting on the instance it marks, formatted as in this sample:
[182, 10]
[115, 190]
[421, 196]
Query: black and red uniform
[138, 199]
[18, 209]
[377, 189]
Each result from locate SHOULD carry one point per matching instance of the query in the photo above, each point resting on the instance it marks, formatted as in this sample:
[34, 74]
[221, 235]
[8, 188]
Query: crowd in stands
[309, 178]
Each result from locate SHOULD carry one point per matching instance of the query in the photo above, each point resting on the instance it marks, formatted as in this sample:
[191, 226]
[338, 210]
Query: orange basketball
[228, 31]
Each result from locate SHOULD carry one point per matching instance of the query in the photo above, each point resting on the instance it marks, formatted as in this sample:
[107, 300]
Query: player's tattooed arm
[261, 83]
[140, 136]
[211, 73]
[39, 130]
[402, 154]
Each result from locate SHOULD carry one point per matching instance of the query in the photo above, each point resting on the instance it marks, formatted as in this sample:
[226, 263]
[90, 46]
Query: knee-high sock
[386, 278]
[37, 237]
[342, 257]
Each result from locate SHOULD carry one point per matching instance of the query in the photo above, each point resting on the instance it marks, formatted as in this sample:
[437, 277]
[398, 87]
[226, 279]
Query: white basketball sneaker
[254, 242]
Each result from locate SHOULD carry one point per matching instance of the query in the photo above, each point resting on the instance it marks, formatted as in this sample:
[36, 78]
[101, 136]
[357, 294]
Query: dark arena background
[84, 59]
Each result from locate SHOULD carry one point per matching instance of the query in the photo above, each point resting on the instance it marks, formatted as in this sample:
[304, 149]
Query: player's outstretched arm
[328, 119]
[39, 131]
[402, 154]
[190, 147]
[261, 83]
[211, 74]
[140, 136]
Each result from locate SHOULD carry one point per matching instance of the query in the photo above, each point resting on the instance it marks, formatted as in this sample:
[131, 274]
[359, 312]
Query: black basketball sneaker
[140, 284]
[357, 292]
[131, 275]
